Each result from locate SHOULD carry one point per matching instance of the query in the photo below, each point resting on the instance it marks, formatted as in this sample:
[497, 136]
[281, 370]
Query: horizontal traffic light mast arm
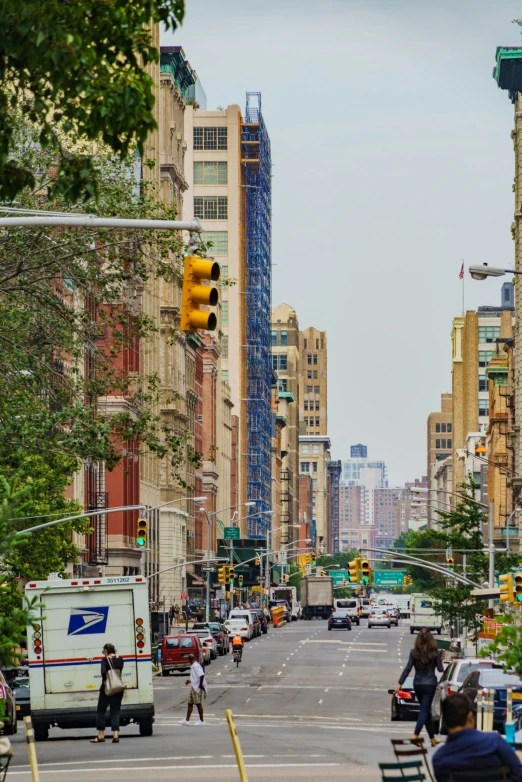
[187, 562]
[405, 559]
[99, 512]
[92, 221]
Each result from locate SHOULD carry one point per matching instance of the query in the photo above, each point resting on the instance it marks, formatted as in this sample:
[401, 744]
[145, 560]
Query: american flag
[461, 273]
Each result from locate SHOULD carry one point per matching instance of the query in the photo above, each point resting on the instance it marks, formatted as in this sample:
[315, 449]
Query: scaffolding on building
[256, 167]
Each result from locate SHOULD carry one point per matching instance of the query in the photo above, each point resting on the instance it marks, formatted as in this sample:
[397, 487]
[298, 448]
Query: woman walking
[424, 657]
[113, 702]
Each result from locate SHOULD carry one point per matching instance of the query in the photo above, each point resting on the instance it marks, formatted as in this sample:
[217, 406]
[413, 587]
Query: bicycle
[237, 656]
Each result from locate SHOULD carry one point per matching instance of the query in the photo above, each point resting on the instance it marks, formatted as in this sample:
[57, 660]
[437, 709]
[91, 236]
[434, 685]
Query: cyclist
[238, 644]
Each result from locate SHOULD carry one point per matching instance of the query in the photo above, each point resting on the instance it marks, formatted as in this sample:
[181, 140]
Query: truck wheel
[146, 726]
[165, 673]
[41, 732]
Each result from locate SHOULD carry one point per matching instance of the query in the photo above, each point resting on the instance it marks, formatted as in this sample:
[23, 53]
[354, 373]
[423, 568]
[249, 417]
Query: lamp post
[208, 517]
[268, 534]
[480, 272]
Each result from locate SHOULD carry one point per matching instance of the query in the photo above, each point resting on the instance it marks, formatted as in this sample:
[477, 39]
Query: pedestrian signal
[507, 594]
[141, 532]
[194, 294]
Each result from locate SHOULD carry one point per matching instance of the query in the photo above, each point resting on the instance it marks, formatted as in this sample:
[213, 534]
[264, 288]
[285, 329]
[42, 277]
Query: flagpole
[463, 277]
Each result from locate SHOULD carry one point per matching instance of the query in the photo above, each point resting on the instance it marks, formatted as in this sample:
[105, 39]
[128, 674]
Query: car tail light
[452, 688]
[244, 628]
[405, 695]
[387, 615]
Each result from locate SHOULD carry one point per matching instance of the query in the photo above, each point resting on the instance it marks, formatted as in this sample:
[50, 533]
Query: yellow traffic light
[450, 562]
[353, 570]
[323, 573]
[141, 532]
[366, 572]
[518, 587]
[507, 594]
[194, 294]
[240, 580]
[231, 575]
[308, 559]
[222, 575]
[258, 562]
[286, 578]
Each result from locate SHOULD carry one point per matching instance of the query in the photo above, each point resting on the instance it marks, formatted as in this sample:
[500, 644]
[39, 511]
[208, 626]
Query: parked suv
[175, 651]
[262, 619]
[499, 682]
[451, 681]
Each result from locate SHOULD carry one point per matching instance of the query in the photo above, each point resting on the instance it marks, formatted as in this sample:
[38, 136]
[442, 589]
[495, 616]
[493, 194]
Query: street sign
[232, 533]
[208, 569]
[388, 578]
[338, 576]
[184, 596]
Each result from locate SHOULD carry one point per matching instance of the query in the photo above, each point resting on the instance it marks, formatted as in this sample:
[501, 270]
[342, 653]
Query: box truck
[71, 625]
[423, 614]
[288, 593]
[317, 596]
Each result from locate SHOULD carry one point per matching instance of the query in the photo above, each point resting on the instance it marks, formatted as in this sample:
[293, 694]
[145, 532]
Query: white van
[243, 613]
[75, 620]
[422, 614]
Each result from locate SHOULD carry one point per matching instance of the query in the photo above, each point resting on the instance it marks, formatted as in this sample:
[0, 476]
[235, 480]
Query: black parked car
[497, 680]
[262, 619]
[8, 698]
[18, 680]
[404, 704]
[219, 632]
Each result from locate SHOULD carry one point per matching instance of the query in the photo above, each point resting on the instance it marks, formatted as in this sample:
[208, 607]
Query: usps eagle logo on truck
[88, 621]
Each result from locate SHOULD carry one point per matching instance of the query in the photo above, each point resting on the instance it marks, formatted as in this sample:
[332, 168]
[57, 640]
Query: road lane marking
[216, 766]
[320, 701]
[279, 673]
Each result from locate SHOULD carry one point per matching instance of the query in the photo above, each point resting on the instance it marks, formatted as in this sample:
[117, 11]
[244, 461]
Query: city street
[308, 704]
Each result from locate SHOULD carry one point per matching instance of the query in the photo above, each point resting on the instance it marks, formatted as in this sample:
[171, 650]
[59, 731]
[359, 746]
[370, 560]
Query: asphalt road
[308, 704]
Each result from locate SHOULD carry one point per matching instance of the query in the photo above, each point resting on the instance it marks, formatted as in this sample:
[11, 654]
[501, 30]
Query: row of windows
[210, 173]
[280, 362]
[305, 466]
[211, 207]
[219, 241]
[210, 138]
[310, 357]
[283, 338]
[312, 389]
[305, 448]
[305, 344]
[312, 406]
[443, 428]
[224, 345]
[488, 334]
[442, 443]
[312, 422]
[282, 385]
[485, 357]
[312, 374]
[224, 313]
[483, 383]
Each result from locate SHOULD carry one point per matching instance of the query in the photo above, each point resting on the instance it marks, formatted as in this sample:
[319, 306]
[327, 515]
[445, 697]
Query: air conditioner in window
[179, 136]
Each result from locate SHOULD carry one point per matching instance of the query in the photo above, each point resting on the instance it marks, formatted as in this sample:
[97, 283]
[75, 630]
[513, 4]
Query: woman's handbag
[113, 682]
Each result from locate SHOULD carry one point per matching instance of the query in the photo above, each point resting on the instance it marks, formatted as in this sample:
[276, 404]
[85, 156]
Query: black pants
[425, 693]
[114, 703]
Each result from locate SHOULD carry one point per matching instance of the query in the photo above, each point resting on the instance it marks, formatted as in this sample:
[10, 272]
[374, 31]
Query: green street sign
[232, 533]
[388, 578]
[338, 576]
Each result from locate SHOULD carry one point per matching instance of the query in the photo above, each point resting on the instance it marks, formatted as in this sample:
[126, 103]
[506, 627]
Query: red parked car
[175, 651]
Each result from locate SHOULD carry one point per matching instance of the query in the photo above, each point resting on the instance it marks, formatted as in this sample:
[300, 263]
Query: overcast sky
[392, 163]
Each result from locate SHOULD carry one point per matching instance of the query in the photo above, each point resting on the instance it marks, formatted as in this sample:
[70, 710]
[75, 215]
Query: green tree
[79, 66]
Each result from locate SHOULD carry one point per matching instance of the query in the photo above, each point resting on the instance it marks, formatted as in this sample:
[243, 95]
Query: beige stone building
[285, 362]
[313, 382]
[314, 451]
[439, 438]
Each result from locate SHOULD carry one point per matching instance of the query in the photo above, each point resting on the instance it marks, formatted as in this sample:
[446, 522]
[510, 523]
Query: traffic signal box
[240, 580]
[222, 575]
[450, 562]
[353, 571]
[308, 559]
[507, 594]
[142, 526]
[231, 575]
[195, 294]
[366, 572]
[286, 578]
[258, 561]
[518, 587]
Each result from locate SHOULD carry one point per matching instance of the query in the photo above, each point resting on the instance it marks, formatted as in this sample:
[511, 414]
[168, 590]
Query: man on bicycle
[237, 644]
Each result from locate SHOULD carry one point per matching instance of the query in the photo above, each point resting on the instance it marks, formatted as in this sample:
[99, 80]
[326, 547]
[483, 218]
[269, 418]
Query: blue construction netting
[256, 166]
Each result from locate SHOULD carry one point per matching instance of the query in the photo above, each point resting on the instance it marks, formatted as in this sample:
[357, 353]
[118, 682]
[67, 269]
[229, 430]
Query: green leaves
[84, 59]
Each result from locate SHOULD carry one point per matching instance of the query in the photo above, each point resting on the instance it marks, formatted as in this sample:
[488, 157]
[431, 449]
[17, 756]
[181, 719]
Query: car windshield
[466, 668]
[499, 678]
[346, 604]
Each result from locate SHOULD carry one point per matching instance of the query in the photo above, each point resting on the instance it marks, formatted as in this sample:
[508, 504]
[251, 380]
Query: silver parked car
[208, 641]
[451, 681]
[379, 617]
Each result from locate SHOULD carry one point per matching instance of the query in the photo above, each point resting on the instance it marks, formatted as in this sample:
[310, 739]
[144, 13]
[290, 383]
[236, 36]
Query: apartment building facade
[314, 453]
[313, 382]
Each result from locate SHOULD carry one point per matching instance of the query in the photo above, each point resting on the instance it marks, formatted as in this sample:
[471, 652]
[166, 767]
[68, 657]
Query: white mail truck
[73, 622]
[422, 614]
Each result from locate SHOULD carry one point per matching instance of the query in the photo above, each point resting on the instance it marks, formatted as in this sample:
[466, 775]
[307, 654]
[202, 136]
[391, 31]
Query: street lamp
[481, 272]
[208, 515]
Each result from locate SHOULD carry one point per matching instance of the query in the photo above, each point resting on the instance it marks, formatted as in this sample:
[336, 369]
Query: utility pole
[491, 550]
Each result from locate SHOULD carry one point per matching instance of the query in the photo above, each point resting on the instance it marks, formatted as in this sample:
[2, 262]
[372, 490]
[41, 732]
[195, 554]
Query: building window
[304, 448]
[483, 407]
[280, 362]
[437, 428]
[314, 466]
[210, 173]
[316, 448]
[488, 334]
[211, 207]
[311, 421]
[284, 339]
[314, 484]
[224, 375]
[309, 359]
[443, 427]
[448, 442]
[309, 374]
[317, 344]
[306, 405]
[317, 422]
[283, 385]
[305, 466]
[317, 406]
[305, 343]
[224, 273]
[219, 241]
[449, 428]
[484, 357]
[437, 443]
[210, 138]
[224, 313]
[315, 374]
[316, 389]
[224, 346]
[309, 389]
[443, 443]
[315, 359]
[273, 338]
[306, 421]
[483, 383]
